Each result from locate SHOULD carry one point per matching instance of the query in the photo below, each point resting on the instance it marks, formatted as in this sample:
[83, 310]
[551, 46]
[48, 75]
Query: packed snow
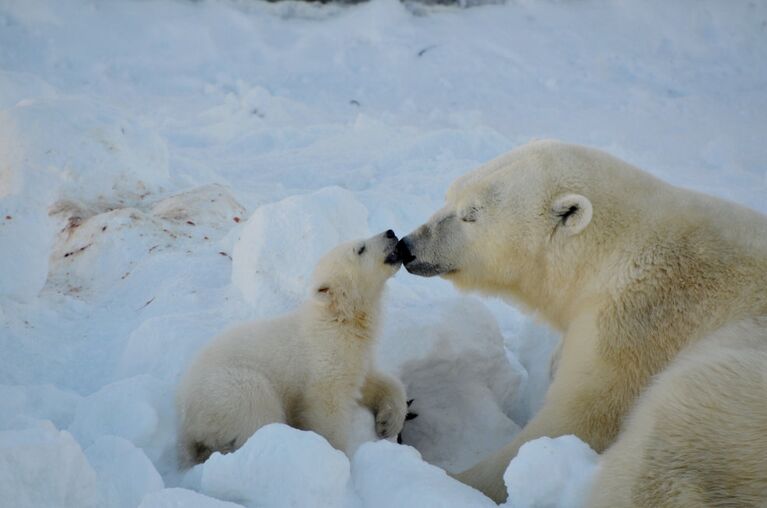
[169, 168]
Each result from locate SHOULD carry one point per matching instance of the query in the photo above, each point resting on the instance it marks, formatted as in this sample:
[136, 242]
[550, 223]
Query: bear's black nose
[403, 251]
[390, 234]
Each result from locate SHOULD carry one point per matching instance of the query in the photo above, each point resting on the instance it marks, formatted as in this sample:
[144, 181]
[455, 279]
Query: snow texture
[279, 466]
[170, 168]
[550, 473]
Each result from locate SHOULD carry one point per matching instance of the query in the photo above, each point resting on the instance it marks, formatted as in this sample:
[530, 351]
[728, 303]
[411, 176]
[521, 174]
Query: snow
[138, 409]
[182, 498]
[550, 473]
[278, 247]
[43, 466]
[169, 168]
[125, 473]
[279, 466]
[385, 474]
[463, 391]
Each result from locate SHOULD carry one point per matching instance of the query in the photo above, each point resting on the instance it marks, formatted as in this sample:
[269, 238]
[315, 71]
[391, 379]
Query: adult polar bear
[643, 279]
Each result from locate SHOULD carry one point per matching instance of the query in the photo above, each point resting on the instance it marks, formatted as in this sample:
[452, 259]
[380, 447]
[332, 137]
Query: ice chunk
[279, 466]
[550, 473]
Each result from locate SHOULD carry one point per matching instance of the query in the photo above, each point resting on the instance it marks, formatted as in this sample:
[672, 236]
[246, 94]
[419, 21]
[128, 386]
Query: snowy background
[170, 167]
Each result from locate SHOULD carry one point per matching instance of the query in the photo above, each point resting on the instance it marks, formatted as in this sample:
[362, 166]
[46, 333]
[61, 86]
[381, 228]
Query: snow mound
[45, 402]
[125, 473]
[61, 156]
[94, 254]
[281, 242]
[100, 155]
[163, 346]
[386, 474]
[210, 206]
[550, 473]
[138, 409]
[42, 466]
[16, 87]
[182, 498]
[452, 360]
[279, 466]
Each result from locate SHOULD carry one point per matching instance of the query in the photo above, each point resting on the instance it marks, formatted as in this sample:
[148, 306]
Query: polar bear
[307, 369]
[655, 289]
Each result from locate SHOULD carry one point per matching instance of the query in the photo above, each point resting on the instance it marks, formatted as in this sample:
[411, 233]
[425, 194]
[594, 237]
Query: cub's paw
[409, 416]
[390, 416]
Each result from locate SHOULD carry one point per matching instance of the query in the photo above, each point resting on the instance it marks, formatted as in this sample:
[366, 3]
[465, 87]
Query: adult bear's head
[530, 222]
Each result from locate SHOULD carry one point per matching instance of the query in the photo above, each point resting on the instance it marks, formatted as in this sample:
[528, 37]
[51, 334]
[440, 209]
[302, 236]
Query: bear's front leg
[329, 414]
[385, 396]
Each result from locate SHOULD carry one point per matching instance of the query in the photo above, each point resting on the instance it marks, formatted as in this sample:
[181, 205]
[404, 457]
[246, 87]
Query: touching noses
[403, 251]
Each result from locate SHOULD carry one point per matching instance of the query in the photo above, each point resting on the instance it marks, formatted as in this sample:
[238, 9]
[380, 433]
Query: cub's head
[351, 277]
[512, 225]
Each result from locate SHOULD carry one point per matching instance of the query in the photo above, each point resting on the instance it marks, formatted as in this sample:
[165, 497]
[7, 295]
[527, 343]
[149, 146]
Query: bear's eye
[361, 250]
[470, 215]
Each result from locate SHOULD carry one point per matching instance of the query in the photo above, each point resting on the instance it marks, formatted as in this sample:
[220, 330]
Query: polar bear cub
[308, 369]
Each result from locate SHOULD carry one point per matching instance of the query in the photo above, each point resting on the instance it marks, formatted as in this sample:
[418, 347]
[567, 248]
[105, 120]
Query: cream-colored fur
[308, 369]
[698, 435]
[630, 269]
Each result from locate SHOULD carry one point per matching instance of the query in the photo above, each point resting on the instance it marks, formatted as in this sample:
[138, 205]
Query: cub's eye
[469, 218]
[361, 250]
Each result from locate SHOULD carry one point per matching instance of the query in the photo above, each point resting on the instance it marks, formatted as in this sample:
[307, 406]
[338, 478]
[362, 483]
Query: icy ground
[170, 167]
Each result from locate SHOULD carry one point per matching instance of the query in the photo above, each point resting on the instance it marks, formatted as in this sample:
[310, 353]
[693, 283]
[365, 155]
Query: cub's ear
[323, 292]
[573, 213]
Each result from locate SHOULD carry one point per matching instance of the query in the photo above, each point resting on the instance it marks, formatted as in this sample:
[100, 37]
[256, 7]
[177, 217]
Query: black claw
[410, 402]
[399, 438]
[411, 416]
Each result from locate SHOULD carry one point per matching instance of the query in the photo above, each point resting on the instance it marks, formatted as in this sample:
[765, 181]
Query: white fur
[307, 369]
[631, 270]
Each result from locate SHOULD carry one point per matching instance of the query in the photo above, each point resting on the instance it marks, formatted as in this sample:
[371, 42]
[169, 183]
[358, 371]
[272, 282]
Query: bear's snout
[403, 251]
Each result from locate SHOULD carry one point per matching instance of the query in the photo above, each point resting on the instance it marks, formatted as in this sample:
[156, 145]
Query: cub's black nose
[390, 234]
[403, 251]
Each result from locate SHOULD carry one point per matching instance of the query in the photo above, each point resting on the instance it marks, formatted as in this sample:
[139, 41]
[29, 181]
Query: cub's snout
[392, 242]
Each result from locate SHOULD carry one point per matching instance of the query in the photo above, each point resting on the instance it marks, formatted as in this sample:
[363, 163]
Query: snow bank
[44, 402]
[94, 254]
[281, 243]
[59, 159]
[138, 409]
[16, 87]
[452, 360]
[124, 472]
[41, 466]
[550, 473]
[163, 346]
[279, 466]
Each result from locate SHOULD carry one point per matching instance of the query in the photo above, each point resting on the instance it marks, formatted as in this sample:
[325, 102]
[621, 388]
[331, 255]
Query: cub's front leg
[329, 414]
[385, 396]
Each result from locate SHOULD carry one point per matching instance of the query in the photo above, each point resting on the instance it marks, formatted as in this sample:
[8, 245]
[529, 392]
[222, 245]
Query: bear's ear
[573, 213]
